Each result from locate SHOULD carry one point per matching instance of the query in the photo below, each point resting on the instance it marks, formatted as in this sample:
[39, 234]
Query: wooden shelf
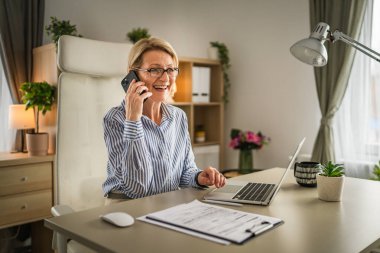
[209, 115]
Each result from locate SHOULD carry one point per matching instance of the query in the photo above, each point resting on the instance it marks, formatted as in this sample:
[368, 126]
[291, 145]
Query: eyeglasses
[158, 72]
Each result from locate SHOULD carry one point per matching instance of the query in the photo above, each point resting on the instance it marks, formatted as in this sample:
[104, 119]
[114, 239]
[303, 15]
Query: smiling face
[159, 86]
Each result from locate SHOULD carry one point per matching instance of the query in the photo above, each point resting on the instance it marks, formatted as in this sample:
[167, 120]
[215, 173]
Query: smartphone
[128, 79]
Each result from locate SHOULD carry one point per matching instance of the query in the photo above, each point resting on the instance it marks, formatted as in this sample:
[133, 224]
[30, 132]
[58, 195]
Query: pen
[221, 202]
[260, 229]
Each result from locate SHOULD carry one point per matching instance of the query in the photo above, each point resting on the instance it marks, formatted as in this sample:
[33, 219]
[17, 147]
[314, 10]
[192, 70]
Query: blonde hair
[145, 45]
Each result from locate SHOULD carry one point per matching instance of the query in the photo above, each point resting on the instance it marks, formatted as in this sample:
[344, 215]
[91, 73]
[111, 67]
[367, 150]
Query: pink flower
[234, 143]
[247, 140]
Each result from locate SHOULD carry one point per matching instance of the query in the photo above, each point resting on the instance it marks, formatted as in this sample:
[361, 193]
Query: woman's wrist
[197, 182]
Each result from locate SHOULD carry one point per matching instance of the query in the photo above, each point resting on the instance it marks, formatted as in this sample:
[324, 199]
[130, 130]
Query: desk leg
[62, 243]
[41, 238]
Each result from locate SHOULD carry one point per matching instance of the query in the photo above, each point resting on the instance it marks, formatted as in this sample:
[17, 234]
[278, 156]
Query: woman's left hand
[211, 176]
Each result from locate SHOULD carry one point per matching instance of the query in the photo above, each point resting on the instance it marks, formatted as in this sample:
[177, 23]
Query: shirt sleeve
[129, 159]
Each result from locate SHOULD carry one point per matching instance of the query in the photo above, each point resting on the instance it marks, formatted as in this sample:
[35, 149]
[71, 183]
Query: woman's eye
[155, 71]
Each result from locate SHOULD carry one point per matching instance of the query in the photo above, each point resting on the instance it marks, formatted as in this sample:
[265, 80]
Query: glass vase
[245, 161]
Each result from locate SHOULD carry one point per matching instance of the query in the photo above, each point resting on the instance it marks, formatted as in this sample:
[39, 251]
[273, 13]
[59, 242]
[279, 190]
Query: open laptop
[251, 192]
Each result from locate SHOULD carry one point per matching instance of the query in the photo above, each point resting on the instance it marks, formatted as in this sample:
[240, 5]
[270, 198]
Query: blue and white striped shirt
[146, 159]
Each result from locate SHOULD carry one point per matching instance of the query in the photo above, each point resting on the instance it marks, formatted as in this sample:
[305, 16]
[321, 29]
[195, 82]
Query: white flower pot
[330, 188]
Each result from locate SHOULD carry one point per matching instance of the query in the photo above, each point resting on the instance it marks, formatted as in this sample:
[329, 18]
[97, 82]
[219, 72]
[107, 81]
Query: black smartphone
[128, 79]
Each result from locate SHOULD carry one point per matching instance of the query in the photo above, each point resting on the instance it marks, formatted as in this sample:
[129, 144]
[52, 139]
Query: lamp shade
[19, 118]
[310, 51]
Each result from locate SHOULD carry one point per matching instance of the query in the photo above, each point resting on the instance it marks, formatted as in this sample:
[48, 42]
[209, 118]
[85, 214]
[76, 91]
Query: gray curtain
[331, 80]
[21, 29]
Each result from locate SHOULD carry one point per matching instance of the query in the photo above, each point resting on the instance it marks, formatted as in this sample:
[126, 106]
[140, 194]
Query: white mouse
[119, 219]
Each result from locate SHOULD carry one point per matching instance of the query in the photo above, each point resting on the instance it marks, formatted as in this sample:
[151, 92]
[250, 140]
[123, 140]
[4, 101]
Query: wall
[271, 91]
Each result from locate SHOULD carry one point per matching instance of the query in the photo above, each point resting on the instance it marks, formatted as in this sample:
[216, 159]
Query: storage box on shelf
[210, 114]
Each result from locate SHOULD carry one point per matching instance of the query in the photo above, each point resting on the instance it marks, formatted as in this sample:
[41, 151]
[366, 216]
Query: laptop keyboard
[254, 192]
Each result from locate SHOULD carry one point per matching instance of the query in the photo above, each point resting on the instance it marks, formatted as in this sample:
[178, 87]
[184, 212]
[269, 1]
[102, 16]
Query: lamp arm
[337, 35]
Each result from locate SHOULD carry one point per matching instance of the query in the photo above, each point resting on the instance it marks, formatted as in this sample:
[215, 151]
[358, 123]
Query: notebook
[256, 193]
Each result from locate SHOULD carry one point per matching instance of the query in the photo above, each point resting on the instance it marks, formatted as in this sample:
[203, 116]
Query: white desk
[311, 225]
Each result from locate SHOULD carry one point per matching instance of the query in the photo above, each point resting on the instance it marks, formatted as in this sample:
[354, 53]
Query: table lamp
[313, 52]
[21, 119]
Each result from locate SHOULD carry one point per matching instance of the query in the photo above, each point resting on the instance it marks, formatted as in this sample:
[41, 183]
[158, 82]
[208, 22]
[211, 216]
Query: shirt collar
[167, 110]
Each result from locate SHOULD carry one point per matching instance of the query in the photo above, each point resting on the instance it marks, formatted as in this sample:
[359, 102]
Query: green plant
[39, 96]
[376, 172]
[224, 58]
[332, 170]
[58, 28]
[137, 34]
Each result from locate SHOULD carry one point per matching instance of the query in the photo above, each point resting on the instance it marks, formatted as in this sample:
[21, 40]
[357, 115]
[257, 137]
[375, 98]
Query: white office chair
[88, 86]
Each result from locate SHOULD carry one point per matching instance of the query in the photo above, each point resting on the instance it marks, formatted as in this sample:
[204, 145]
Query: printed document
[213, 221]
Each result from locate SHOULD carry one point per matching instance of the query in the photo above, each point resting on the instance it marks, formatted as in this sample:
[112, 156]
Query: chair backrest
[89, 85]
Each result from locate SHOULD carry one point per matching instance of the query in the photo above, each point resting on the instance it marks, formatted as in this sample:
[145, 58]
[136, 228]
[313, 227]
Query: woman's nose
[164, 76]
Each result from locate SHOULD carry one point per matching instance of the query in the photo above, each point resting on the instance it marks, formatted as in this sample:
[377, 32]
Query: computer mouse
[119, 219]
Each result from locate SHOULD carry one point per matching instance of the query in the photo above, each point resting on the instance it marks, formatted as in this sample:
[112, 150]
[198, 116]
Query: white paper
[186, 231]
[223, 223]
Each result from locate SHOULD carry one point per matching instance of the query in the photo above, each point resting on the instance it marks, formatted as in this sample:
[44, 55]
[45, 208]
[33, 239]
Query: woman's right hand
[134, 100]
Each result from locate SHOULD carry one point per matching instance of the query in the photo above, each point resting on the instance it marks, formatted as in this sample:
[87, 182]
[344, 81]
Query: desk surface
[311, 225]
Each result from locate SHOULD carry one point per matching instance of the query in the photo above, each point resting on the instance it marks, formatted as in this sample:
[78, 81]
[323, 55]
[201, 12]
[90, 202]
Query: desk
[311, 225]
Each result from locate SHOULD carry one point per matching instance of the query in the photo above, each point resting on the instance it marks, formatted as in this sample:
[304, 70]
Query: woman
[149, 148]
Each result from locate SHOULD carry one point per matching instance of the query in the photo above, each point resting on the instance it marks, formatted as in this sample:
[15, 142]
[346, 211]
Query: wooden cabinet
[26, 195]
[210, 114]
[45, 69]
[26, 188]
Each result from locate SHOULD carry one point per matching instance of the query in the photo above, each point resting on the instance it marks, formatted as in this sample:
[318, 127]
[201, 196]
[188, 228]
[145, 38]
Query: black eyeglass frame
[163, 71]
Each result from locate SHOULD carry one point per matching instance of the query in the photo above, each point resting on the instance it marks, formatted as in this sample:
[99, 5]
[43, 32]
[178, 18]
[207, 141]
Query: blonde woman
[149, 148]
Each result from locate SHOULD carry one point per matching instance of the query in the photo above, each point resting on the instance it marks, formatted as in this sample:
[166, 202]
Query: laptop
[251, 192]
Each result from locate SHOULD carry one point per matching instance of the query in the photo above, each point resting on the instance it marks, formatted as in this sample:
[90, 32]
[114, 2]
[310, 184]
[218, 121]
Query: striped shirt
[145, 158]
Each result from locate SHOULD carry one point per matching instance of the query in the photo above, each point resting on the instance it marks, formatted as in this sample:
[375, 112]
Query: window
[357, 123]
[7, 136]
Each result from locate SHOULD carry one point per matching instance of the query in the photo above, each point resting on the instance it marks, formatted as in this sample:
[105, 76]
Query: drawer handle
[25, 206]
[24, 179]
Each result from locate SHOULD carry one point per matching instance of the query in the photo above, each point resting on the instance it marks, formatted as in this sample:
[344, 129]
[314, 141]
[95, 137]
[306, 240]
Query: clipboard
[219, 224]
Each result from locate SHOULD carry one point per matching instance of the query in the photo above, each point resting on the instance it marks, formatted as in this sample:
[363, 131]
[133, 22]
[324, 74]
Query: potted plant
[245, 142]
[57, 28]
[330, 182]
[376, 172]
[223, 55]
[40, 97]
[137, 34]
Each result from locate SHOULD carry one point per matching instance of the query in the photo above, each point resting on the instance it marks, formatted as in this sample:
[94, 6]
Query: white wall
[271, 91]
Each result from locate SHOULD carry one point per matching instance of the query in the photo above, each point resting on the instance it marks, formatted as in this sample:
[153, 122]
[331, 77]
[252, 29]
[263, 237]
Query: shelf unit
[210, 115]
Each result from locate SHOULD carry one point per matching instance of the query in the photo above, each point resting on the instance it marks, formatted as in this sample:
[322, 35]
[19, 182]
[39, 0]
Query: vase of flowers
[246, 142]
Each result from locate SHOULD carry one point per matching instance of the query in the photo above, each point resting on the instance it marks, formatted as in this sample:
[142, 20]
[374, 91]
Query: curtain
[358, 119]
[21, 29]
[7, 135]
[331, 80]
